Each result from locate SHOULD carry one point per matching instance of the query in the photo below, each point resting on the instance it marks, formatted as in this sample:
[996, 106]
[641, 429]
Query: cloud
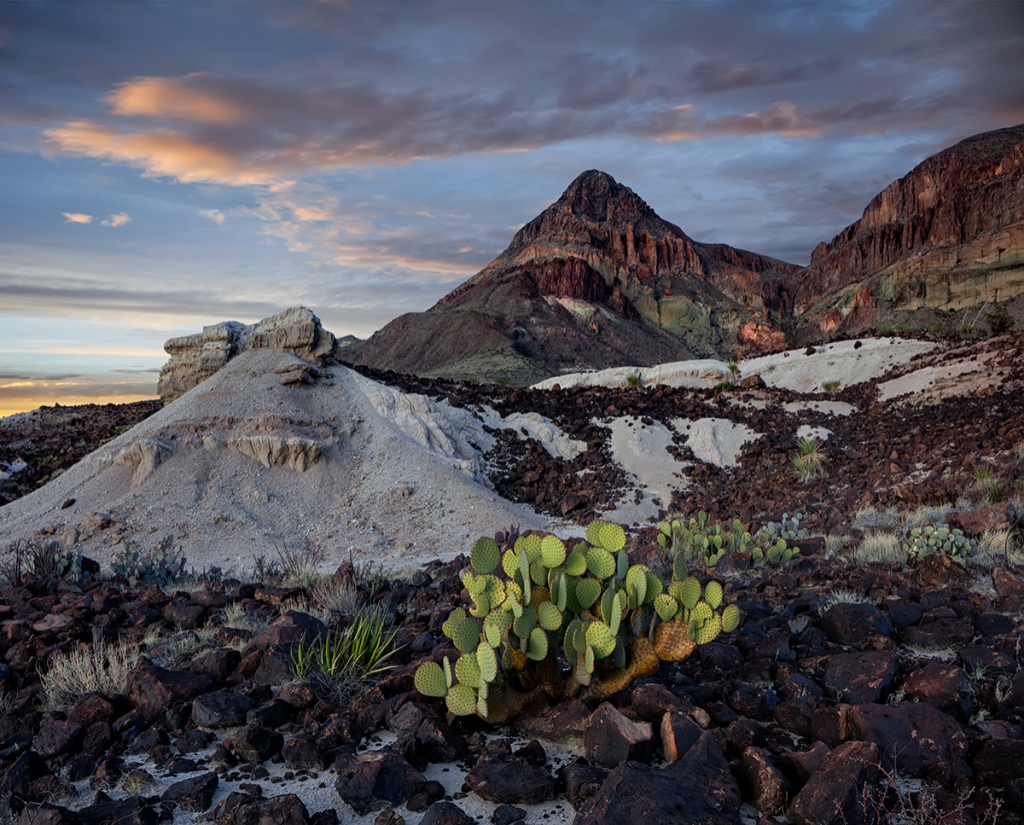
[76, 217]
[161, 97]
[120, 219]
[160, 153]
[214, 215]
[137, 370]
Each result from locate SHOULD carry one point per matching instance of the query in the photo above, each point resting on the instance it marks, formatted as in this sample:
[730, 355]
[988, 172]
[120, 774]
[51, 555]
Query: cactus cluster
[540, 601]
[702, 543]
[159, 568]
[939, 538]
[69, 566]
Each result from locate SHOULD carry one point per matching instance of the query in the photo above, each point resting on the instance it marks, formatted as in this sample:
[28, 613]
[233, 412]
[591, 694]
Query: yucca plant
[811, 460]
[361, 650]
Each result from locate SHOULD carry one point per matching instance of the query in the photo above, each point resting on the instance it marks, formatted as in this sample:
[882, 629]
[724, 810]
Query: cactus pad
[666, 607]
[576, 563]
[531, 545]
[587, 592]
[455, 618]
[713, 594]
[525, 623]
[467, 636]
[707, 632]
[612, 538]
[601, 639]
[672, 642]
[485, 556]
[488, 662]
[600, 563]
[552, 551]
[538, 647]
[461, 700]
[594, 531]
[730, 618]
[510, 562]
[689, 594]
[467, 669]
[549, 616]
[636, 585]
[429, 680]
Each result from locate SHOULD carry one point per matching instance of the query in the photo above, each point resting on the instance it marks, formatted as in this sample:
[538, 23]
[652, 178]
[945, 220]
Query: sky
[167, 165]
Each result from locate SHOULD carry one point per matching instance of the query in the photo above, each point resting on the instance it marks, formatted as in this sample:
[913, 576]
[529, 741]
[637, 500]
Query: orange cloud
[159, 97]
[120, 219]
[781, 118]
[76, 217]
[160, 153]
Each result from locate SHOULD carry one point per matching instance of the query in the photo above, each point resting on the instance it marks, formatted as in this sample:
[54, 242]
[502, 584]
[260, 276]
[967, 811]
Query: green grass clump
[810, 462]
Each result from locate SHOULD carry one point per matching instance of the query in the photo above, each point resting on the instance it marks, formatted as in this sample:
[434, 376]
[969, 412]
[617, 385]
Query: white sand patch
[640, 449]
[715, 441]
[940, 380]
[820, 433]
[549, 434]
[697, 374]
[838, 361]
[827, 407]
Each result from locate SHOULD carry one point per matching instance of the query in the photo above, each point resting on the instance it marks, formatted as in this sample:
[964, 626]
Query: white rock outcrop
[194, 358]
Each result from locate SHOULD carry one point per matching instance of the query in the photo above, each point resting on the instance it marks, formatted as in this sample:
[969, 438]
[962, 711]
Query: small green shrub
[634, 379]
[811, 460]
[360, 651]
[987, 483]
[831, 386]
[999, 321]
[939, 538]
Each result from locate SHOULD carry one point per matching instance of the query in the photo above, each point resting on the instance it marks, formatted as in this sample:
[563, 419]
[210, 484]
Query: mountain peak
[597, 196]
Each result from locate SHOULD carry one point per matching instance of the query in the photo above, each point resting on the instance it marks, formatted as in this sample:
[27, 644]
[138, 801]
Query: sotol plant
[541, 606]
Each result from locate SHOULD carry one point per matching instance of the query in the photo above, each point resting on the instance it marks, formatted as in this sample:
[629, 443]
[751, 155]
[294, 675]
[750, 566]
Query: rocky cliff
[596, 280]
[948, 235]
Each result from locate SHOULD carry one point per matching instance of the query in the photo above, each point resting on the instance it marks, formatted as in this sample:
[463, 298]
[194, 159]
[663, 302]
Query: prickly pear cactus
[542, 602]
[939, 538]
[161, 567]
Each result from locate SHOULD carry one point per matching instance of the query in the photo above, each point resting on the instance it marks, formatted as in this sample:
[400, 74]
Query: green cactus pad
[587, 592]
[621, 565]
[588, 658]
[560, 596]
[538, 647]
[713, 594]
[481, 605]
[467, 636]
[485, 556]
[447, 672]
[569, 640]
[601, 639]
[549, 616]
[482, 710]
[636, 585]
[488, 663]
[655, 587]
[612, 538]
[689, 595]
[600, 563]
[513, 593]
[429, 680]
[525, 623]
[467, 669]
[552, 551]
[510, 563]
[702, 612]
[531, 545]
[461, 700]
[679, 567]
[594, 531]
[619, 654]
[730, 618]
[666, 607]
[538, 573]
[451, 624]
[709, 631]
[576, 563]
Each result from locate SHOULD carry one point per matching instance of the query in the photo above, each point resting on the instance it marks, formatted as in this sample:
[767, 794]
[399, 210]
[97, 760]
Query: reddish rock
[611, 738]
[1006, 583]
[976, 522]
[679, 733]
[858, 678]
[944, 686]
[910, 737]
[278, 810]
[852, 624]
[765, 785]
[832, 794]
[57, 737]
[375, 780]
[154, 690]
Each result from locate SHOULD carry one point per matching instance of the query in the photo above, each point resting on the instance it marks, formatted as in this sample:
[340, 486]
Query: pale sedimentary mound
[194, 358]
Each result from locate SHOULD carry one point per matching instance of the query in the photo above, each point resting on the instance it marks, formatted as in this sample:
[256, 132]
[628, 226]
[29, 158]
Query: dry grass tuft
[879, 547]
[102, 668]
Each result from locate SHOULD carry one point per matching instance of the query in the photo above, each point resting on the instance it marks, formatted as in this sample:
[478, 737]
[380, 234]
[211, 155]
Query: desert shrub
[300, 566]
[43, 560]
[840, 595]
[103, 668]
[999, 321]
[987, 483]
[831, 386]
[541, 606]
[634, 379]
[879, 547]
[335, 597]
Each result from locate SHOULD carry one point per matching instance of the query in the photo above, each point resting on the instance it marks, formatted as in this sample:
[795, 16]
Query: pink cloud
[160, 97]
[76, 217]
